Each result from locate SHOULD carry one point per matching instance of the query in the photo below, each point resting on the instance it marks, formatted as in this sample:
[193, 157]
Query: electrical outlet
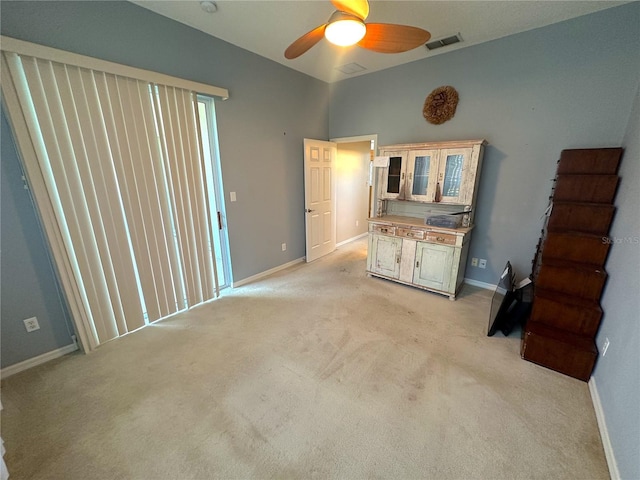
[31, 324]
[284, 247]
[474, 262]
[605, 346]
[482, 263]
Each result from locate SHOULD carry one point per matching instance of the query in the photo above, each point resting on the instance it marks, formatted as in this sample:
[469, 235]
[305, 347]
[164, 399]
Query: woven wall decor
[440, 105]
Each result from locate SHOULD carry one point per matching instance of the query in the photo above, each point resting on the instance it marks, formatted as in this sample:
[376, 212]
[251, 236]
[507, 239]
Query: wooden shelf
[569, 273]
[590, 161]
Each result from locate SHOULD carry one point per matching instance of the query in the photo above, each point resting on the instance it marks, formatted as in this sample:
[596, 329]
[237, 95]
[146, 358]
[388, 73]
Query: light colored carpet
[316, 372]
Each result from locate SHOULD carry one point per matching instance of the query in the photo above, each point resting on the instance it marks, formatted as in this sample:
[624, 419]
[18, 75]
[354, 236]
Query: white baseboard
[604, 433]
[266, 273]
[351, 239]
[477, 283]
[39, 360]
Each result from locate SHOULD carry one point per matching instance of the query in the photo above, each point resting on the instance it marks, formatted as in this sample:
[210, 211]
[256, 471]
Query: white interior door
[319, 197]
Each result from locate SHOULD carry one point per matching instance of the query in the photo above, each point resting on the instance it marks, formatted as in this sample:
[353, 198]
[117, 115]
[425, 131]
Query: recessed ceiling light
[209, 7]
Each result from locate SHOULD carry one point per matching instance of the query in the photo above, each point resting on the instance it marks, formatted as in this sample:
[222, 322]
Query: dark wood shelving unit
[568, 268]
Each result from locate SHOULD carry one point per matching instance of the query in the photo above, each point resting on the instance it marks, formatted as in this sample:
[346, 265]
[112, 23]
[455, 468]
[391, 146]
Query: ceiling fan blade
[359, 8]
[391, 38]
[305, 42]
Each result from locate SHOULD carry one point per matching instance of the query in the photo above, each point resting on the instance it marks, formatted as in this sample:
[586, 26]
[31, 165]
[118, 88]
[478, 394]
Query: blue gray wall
[530, 95]
[617, 374]
[29, 287]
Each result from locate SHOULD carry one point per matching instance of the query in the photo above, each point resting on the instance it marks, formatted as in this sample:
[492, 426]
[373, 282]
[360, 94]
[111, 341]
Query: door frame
[218, 218]
[372, 137]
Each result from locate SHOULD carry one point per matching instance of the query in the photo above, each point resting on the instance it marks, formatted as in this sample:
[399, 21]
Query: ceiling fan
[346, 27]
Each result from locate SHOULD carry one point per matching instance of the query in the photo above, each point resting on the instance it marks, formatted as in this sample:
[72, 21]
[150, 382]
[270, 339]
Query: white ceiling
[268, 27]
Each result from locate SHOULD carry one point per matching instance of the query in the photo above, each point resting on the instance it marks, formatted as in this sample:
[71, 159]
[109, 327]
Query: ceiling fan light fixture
[345, 30]
[346, 27]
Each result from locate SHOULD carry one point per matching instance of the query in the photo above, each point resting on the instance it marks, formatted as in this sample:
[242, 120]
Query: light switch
[233, 196]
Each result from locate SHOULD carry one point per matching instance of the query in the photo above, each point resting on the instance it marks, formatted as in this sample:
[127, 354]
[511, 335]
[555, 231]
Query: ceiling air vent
[351, 68]
[443, 42]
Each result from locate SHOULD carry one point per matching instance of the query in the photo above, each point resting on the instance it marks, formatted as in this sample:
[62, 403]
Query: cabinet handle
[403, 176]
[397, 259]
[384, 230]
[440, 239]
[410, 176]
[418, 264]
[409, 234]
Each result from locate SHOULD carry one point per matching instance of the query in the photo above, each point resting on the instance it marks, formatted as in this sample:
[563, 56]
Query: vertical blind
[122, 163]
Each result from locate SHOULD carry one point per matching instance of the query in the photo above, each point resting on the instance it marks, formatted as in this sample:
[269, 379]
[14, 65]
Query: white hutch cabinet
[424, 179]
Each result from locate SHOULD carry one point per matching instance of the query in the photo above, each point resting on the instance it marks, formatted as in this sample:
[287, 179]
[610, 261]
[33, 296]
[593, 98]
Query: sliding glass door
[126, 176]
[213, 170]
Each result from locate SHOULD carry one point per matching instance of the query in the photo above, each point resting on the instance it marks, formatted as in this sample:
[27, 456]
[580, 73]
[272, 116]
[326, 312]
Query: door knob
[308, 210]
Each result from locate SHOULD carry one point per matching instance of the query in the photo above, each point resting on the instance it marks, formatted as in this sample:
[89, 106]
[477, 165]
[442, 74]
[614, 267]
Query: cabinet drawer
[410, 233]
[445, 238]
[384, 229]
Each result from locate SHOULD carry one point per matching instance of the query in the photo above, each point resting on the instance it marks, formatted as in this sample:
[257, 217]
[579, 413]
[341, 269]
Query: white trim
[604, 433]
[61, 56]
[39, 360]
[266, 273]
[349, 240]
[359, 138]
[478, 283]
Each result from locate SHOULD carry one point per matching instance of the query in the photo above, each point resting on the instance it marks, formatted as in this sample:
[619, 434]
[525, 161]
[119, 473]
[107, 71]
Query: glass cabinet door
[451, 175]
[420, 175]
[421, 163]
[393, 176]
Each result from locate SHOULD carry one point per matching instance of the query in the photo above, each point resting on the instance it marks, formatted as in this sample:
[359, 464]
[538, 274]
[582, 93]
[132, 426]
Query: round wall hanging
[440, 105]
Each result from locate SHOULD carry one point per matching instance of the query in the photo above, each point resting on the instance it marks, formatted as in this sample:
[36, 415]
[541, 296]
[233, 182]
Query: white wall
[352, 189]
